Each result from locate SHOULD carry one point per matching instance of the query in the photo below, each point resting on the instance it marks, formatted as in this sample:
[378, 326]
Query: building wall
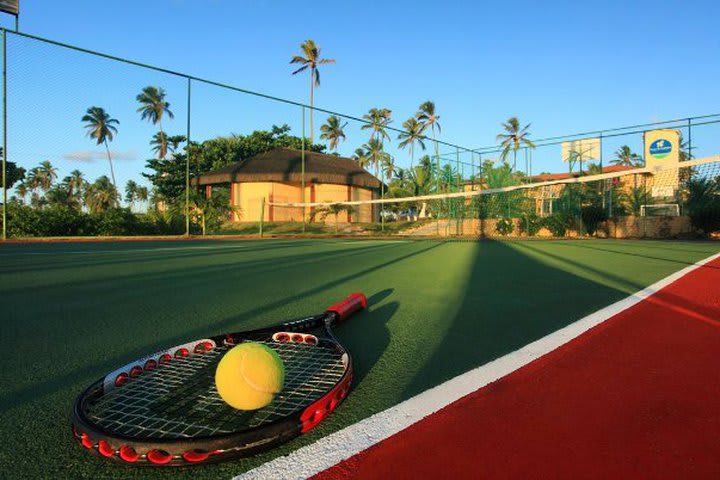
[247, 197]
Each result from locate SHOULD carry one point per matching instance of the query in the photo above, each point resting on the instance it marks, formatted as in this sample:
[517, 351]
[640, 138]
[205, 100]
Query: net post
[262, 216]
[187, 163]
[302, 175]
[4, 140]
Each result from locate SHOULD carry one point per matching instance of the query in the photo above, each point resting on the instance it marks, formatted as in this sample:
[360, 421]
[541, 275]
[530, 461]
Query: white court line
[133, 250]
[90, 252]
[343, 444]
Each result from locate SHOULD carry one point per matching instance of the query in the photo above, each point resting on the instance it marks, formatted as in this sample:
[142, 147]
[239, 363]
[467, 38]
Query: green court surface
[71, 312]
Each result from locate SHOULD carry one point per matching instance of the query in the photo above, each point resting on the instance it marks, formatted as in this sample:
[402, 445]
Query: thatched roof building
[276, 176]
[285, 165]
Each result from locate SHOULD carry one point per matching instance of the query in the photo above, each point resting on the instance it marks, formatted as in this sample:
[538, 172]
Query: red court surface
[636, 397]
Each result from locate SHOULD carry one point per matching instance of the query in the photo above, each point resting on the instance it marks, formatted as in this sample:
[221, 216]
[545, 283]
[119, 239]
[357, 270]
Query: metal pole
[690, 156]
[187, 165]
[262, 215]
[17, 23]
[302, 171]
[4, 152]
[437, 186]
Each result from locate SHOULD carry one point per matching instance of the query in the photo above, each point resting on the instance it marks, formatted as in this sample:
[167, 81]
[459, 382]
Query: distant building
[276, 177]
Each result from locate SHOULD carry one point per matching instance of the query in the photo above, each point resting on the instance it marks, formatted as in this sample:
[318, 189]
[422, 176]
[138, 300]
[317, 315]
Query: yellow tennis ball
[249, 376]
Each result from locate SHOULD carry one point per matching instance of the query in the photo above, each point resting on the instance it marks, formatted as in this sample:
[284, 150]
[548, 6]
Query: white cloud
[89, 156]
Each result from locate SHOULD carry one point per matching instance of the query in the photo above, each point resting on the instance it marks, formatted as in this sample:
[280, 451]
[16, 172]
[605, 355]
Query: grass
[72, 312]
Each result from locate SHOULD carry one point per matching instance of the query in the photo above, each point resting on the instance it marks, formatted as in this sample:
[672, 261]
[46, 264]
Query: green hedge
[62, 221]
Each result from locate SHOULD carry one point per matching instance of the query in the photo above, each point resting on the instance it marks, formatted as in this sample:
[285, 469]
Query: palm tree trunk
[163, 141]
[312, 87]
[112, 171]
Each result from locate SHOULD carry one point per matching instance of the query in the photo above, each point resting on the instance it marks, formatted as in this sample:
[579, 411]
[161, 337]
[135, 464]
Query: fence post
[187, 164]
[262, 215]
[302, 174]
[4, 152]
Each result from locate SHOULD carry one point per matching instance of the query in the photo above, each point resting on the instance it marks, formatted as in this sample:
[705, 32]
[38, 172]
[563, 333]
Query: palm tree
[625, 157]
[514, 138]
[310, 59]
[101, 195]
[152, 107]
[378, 119]
[22, 190]
[387, 165]
[174, 141]
[142, 194]
[101, 127]
[332, 131]
[411, 136]
[159, 143]
[74, 186]
[131, 188]
[362, 157]
[430, 119]
[45, 175]
[374, 149]
[76, 183]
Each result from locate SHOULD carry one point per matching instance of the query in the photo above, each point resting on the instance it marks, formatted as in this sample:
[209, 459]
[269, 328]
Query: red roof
[548, 177]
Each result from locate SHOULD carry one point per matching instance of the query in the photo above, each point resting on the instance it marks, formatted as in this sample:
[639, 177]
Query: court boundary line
[328, 451]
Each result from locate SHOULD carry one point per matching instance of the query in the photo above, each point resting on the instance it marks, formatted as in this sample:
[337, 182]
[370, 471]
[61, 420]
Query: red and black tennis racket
[164, 409]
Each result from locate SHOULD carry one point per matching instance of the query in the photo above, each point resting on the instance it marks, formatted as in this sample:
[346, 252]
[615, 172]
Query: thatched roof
[284, 165]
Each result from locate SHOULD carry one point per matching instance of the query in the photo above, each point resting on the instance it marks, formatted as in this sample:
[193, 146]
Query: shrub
[530, 225]
[592, 216]
[504, 226]
[557, 223]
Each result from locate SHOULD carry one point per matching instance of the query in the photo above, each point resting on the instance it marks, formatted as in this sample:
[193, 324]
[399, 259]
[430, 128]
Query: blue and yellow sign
[662, 147]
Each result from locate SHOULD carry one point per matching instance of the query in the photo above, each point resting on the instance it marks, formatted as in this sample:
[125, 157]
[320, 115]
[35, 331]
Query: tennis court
[73, 311]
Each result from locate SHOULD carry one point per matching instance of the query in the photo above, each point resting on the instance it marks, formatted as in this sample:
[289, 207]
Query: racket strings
[179, 399]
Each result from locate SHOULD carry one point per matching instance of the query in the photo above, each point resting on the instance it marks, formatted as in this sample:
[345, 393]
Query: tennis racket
[164, 409]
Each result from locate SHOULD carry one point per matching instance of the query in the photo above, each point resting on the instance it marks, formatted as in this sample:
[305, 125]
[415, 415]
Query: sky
[564, 67]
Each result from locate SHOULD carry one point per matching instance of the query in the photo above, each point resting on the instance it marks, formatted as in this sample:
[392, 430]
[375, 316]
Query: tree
[159, 144]
[142, 194]
[76, 183]
[378, 120]
[152, 107]
[374, 149]
[310, 59]
[210, 212]
[429, 118]
[174, 141]
[14, 173]
[70, 192]
[333, 209]
[387, 165]
[362, 157]
[514, 138]
[332, 131]
[625, 157]
[101, 195]
[131, 188]
[45, 175]
[168, 175]
[412, 135]
[102, 128]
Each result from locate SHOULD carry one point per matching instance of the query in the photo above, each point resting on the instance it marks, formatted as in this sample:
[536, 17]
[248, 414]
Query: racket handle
[353, 303]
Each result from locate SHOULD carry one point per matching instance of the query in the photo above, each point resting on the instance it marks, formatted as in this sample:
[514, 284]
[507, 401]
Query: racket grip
[353, 303]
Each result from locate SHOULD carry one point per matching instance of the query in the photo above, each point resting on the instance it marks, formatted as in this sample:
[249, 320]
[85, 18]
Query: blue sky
[565, 67]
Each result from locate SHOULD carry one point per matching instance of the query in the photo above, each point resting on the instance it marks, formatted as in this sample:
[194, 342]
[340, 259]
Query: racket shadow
[367, 336]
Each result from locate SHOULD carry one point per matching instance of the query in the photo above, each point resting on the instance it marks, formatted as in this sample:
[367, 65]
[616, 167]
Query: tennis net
[666, 201]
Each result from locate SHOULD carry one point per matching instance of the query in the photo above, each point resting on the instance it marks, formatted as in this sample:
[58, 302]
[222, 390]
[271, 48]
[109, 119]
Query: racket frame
[215, 448]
